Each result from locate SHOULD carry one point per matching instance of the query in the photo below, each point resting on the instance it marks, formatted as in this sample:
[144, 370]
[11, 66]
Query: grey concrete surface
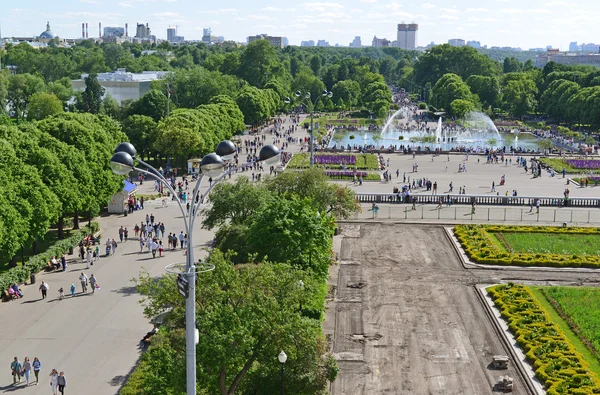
[406, 319]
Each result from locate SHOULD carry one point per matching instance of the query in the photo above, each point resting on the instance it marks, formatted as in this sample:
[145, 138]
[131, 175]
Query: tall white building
[356, 43]
[407, 35]
[456, 42]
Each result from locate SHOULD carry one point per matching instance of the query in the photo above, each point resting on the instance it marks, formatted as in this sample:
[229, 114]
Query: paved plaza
[94, 339]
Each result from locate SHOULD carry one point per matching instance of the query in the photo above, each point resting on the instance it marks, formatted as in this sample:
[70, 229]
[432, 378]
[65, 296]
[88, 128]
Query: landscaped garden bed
[555, 360]
[572, 166]
[334, 161]
[530, 245]
[349, 175]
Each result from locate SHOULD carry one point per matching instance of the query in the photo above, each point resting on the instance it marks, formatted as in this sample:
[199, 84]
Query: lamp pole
[212, 165]
[282, 358]
[311, 107]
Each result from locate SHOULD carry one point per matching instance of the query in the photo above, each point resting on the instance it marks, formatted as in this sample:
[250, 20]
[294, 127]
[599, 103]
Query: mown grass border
[555, 360]
[482, 247]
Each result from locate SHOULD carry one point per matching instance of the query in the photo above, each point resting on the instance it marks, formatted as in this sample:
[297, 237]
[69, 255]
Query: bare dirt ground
[406, 317]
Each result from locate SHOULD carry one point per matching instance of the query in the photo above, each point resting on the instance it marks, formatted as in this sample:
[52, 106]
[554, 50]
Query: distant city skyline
[503, 23]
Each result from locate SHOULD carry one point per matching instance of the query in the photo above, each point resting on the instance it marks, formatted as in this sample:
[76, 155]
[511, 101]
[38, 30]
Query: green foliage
[450, 88]
[461, 107]
[91, 98]
[555, 360]
[245, 316]
[142, 132]
[20, 89]
[530, 245]
[42, 105]
[519, 94]
[559, 165]
[20, 274]
[257, 104]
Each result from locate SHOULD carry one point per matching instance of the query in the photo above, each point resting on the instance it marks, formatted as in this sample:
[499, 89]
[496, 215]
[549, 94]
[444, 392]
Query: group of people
[20, 370]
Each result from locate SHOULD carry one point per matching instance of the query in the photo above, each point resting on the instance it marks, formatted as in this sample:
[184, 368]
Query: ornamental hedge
[480, 245]
[554, 358]
[20, 274]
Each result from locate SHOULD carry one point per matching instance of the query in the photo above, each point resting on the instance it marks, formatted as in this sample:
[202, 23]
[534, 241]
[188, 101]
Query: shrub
[422, 106]
[555, 360]
[36, 263]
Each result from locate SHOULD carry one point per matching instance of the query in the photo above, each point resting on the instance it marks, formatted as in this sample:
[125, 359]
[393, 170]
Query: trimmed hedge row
[554, 359]
[477, 242]
[20, 274]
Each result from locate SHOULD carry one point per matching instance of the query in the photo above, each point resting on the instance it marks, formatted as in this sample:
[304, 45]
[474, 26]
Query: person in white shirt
[154, 246]
[182, 239]
[84, 282]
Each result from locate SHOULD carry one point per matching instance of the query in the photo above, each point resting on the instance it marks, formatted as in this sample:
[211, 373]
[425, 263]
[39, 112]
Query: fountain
[474, 131]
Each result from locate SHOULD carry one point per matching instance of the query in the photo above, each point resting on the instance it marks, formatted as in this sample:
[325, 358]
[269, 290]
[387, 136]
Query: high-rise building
[407, 35]
[322, 43]
[142, 31]
[589, 47]
[456, 42]
[208, 38]
[275, 41]
[356, 43]
[110, 31]
[474, 44]
[573, 47]
[171, 33]
[309, 43]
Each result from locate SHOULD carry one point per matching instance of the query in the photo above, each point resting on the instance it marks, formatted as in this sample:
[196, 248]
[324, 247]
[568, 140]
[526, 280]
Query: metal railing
[485, 200]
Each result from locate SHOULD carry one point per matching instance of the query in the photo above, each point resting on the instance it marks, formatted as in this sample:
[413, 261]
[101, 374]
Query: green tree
[259, 63]
[461, 107]
[62, 88]
[346, 92]
[519, 95]
[91, 98]
[245, 317]
[449, 88]
[42, 105]
[486, 88]
[142, 132]
[20, 89]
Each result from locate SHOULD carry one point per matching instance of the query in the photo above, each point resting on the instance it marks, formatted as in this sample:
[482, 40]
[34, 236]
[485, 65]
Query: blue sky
[525, 23]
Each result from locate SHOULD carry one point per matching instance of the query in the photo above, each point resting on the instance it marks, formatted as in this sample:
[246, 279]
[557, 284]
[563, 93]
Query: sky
[514, 23]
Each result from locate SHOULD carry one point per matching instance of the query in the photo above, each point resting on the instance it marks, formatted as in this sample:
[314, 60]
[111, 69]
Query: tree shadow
[120, 380]
[127, 290]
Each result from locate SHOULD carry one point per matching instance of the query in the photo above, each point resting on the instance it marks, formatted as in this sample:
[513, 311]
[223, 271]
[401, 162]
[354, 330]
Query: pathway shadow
[127, 290]
[119, 381]
[11, 388]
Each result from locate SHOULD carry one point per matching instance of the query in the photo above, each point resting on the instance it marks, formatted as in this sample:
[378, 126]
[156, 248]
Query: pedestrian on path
[62, 383]
[26, 370]
[63, 262]
[54, 381]
[89, 256]
[84, 282]
[181, 239]
[37, 366]
[93, 283]
[44, 289]
[72, 289]
[16, 367]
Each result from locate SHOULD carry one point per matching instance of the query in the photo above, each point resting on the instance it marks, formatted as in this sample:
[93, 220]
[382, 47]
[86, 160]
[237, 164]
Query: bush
[422, 106]
[36, 263]
[555, 360]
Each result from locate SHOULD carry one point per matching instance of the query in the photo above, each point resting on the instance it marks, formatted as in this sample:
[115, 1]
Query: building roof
[129, 187]
[48, 33]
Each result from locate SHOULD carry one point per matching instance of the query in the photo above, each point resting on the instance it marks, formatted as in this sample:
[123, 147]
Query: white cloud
[219, 11]
[88, 1]
[271, 9]
[126, 5]
[321, 7]
[427, 6]
[368, 1]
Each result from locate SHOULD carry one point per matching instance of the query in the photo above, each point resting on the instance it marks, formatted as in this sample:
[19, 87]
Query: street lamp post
[282, 358]
[212, 165]
[305, 98]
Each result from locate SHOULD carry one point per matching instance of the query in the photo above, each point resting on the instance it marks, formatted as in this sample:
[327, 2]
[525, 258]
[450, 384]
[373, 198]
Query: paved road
[406, 319]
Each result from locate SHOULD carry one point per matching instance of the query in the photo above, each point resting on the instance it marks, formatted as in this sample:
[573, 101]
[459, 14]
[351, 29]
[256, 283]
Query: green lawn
[552, 243]
[582, 305]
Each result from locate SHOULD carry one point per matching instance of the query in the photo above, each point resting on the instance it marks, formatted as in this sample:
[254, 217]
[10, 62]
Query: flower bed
[554, 358]
[584, 163]
[329, 161]
[592, 180]
[349, 175]
[482, 246]
[335, 160]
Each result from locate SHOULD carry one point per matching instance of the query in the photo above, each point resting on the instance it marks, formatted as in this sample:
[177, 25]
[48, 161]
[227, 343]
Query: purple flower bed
[346, 173]
[584, 163]
[335, 159]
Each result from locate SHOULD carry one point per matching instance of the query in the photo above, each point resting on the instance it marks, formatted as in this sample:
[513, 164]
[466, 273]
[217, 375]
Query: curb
[518, 361]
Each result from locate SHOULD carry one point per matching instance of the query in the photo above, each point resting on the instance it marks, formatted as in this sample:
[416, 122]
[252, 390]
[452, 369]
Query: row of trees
[51, 169]
[260, 299]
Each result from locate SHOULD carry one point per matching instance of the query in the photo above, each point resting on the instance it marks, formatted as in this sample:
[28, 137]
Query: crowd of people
[22, 370]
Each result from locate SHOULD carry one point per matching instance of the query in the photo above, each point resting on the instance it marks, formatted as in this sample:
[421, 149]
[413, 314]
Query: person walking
[44, 289]
[89, 256]
[84, 282]
[93, 283]
[181, 239]
[16, 367]
[26, 370]
[54, 381]
[62, 382]
[37, 366]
